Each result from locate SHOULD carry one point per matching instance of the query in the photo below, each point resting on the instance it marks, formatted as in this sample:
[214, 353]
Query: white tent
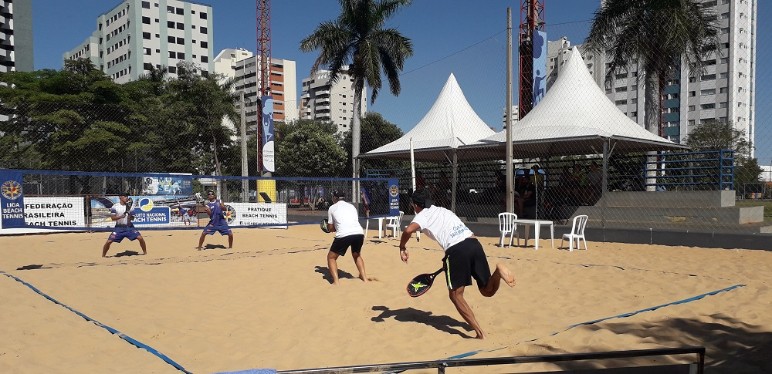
[450, 123]
[576, 117]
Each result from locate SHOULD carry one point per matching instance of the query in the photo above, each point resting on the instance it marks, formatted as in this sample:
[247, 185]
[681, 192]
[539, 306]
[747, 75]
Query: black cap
[422, 199]
[338, 193]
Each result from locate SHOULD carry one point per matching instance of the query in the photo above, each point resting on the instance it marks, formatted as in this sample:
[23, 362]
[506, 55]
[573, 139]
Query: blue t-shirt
[218, 217]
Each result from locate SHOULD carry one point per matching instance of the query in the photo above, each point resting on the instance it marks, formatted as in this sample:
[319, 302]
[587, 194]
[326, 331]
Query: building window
[146, 4]
[180, 26]
[170, 24]
[203, 15]
[170, 9]
[708, 92]
[691, 108]
[708, 106]
[146, 35]
[180, 11]
[146, 20]
[172, 54]
[147, 51]
[204, 58]
[180, 55]
[204, 30]
[181, 41]
[170, 39]
[204, 44]
[172, 69]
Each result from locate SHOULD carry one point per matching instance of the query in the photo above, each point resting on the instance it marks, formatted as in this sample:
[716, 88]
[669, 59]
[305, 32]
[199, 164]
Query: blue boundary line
[622, 315]
[113, 331]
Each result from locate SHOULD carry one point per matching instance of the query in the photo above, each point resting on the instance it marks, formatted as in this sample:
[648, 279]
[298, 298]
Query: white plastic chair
[577, 232]
[507, 225]
[394, 223]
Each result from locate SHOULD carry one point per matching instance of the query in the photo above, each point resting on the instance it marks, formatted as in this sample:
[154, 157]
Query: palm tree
[358, 42]
[657, 34]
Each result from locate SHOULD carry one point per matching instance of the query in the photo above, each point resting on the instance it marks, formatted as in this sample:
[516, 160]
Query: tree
[358, 39]
[376, 132]
[715, 135]
[657, 34]
[309, 149]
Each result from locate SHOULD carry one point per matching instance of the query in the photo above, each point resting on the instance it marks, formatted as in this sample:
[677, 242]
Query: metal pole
[509, 156]
[244, 167]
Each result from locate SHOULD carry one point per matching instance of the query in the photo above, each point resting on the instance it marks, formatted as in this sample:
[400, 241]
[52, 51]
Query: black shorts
[464, 261]
[340, 245]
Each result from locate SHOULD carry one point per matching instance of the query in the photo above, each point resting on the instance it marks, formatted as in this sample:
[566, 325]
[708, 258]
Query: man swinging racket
[464, 255]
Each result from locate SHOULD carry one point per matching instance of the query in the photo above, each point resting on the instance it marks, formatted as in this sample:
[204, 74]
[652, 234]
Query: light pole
[244, 168]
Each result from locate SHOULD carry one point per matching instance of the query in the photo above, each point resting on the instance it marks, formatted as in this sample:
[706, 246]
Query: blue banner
[539, 66]
[11, 199]
[393, 197]
[267, 141]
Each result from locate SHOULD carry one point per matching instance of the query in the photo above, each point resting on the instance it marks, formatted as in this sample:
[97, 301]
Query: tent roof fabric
[576, 117]
[450, 123]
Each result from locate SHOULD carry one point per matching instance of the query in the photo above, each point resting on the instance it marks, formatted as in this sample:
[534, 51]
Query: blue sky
[466, 38]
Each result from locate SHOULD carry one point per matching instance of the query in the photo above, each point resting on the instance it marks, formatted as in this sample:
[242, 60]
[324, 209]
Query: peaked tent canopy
[576, 117]
[450, 123]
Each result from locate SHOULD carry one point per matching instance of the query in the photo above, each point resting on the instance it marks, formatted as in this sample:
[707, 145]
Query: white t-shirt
[442, 225]
[118, 209]
[345, 218]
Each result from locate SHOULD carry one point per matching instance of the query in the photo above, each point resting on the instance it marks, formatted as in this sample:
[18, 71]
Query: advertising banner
[267, 140]
[168, 185]
[250, 214]
[147, 210]
[54, 211]
[539, 66]
[393, 197]
[11, 199]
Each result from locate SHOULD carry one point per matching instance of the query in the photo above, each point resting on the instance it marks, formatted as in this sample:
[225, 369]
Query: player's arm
[406, 234]
[330, 222]
[222, 205]
[114, 215]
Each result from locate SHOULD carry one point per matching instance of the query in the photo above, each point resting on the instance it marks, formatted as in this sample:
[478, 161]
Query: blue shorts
[210, 229]
[123, 232]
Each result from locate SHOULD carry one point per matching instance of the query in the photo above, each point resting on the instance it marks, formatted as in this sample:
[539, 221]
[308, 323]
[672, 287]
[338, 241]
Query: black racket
[323, 225]
[129, 203]
[422, 283]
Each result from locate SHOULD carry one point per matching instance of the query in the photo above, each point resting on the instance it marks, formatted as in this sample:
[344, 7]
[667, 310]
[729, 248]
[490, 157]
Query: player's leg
[106, 247]
[201, 240]
[457, 297]
[356, 253]
[142, 244]
[501, 273]
[230, 239]
[332, 264]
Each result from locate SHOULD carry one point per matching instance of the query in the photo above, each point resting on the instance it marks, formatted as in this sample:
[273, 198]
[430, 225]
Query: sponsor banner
[250, 214]
[11, 199]
[267, 140]
[393, 197]
[539, 66]
[174, 185]
[54, 211]
[147, 210]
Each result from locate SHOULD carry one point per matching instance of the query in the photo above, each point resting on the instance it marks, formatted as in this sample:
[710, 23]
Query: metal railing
[441, 365]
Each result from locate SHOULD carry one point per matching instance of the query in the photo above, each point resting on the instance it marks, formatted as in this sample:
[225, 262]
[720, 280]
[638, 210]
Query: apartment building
[138, 35]
[242, 66]
[323, 100]
[16, 36]
[724, 92]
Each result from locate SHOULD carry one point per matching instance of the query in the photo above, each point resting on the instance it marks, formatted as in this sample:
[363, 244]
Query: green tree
[309, 149]
[358, 38]
[376, 132]
[715, 135]
[657, 34]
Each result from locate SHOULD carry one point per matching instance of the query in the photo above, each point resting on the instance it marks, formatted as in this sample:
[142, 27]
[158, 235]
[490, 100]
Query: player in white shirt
[343, 219]
[464, 255]
[124, 228]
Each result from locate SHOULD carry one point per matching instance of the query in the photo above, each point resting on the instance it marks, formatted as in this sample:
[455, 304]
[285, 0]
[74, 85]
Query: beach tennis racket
[129, 203]
[323, 225]
[422, 283]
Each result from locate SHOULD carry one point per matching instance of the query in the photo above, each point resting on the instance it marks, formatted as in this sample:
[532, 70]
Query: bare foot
[506, 275]
[363, 278]
[480, 336]
[199, 248]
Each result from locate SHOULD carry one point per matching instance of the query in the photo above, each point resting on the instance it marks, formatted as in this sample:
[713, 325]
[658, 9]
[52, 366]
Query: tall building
[241, 66]
[725, 91]
[138, 35]
[16, 35]
[323, 100]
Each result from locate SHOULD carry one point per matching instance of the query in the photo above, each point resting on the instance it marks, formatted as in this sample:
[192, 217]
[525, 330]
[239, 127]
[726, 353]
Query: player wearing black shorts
[464, 255]
[343, 219]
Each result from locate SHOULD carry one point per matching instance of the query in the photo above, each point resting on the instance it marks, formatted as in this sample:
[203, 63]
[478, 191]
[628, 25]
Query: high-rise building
[241, 66]
[724, 92]
[138, 35]
[16, 35]
[323, 100]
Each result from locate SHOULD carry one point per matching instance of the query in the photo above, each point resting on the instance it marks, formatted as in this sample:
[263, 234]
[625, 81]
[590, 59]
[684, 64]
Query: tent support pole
[454, 182]
[604, 185]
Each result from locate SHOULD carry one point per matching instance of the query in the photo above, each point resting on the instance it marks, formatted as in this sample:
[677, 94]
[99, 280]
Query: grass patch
[767, 204]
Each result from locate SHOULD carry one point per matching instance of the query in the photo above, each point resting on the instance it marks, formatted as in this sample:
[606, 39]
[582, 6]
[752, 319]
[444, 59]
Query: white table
[380, 225]
[536, 225]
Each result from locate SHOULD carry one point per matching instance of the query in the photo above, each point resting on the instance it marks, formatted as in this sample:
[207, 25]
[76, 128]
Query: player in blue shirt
[217, 222]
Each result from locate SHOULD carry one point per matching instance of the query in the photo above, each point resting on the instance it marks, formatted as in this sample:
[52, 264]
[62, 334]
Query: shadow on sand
[442, 323]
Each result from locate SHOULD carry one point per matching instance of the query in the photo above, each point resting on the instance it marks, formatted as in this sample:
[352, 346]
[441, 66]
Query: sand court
[268, 303]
